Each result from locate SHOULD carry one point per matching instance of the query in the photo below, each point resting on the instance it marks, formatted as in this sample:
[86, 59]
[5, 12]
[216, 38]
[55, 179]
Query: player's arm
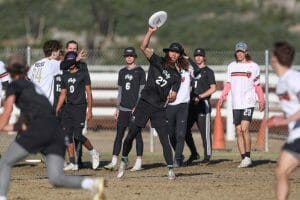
[118, 102]
[144, 46]
[89, 113]
[7, 110]
[61, 99]
[212, 86]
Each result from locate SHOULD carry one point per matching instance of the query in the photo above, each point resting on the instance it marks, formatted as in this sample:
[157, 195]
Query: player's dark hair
[284, 52]
[72, 42]
[17, 65]
[247, 56]
[51, 45]
[182, 63]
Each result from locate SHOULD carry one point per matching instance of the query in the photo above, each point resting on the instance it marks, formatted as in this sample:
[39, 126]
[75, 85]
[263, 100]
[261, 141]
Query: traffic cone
[218, 137]
[260, 140]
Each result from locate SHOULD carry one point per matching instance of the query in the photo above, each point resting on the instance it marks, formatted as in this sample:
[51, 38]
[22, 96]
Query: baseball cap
[129, 51]
[71, 55]
[175, 46]
[199, 52]
[241, 46]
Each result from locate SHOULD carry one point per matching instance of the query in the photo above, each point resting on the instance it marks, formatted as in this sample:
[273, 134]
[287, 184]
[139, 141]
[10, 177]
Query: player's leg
[56, 177]
[247, 138]
[203, 123]
[139, 152]
[171, 115]
[286, 164]
[12, 155]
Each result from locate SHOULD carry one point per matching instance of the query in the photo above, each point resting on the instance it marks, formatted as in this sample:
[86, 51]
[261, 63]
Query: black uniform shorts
[242, 114]
[145, 111]
[43, 135]
[293, 148]
[124, 118]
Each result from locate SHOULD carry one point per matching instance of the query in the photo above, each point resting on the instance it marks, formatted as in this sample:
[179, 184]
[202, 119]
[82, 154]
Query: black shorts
[293, 148]
[124, 118]
[73, 116]
[43, 135]
[145, 111]
[242, 114]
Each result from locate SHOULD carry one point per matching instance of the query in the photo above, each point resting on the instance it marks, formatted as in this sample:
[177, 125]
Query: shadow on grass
[256, 163]
[192, 174]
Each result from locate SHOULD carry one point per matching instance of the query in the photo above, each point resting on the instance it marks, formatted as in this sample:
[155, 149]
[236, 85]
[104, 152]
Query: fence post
[267, 57]
[28, 55]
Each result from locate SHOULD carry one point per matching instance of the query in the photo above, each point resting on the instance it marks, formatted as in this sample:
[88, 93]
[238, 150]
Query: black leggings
[118, 141]
[162, 132]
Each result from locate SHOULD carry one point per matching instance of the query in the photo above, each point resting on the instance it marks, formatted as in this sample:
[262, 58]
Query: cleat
[246, 162]
[98, 189]
[71, 167]
[205, 161]
[136, 168]
[122, 168]
[191, 159]
[110, 166]
[171, 174]
[95, 160]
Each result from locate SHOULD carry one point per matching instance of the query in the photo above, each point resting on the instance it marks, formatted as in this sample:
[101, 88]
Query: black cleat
[191, 159]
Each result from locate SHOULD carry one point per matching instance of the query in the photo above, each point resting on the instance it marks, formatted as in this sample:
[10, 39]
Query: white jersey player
[4, 79]
[43, 71]
[243, 82]
[288, 91]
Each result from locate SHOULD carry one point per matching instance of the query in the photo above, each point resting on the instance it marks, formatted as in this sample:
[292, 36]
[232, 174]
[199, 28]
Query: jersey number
[161, 81]
[127, 86]
[71, 89]
[247, 112]
[37, 74]
[58, 89]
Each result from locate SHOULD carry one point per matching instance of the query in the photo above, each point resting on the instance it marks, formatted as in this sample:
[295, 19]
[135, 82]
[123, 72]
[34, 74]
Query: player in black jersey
[203, 86]
[131, 81]
[38, 131]
[161, 87]
[75, 87]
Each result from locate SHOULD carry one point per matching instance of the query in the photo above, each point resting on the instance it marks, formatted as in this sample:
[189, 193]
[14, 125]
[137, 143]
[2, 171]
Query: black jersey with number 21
[159, 82]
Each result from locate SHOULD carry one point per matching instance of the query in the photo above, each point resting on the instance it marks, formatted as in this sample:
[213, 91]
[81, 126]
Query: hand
[81, 55]
[171, 97]
[89, 115]
[261, 106]
[116, 115]
[133, 109]
[196, 100]
[152, 29]
[276, 121]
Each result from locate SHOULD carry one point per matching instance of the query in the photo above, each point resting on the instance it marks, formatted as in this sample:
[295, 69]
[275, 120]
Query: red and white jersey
[288, 91]
[183, 94]
[243, 77]
[42, 74]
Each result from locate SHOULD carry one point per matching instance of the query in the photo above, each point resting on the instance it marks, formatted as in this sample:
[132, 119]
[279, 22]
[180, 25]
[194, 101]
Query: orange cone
[260, 140]
[218, 137]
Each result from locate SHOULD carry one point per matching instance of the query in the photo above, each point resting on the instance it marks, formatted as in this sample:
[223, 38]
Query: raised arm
[144, 46]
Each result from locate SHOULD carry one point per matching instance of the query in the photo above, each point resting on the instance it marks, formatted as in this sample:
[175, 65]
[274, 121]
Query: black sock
[72, 160]
[243, 156]
[247, 154]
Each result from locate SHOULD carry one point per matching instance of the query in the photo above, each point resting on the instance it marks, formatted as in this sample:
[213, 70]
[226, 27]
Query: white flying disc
[158, 19]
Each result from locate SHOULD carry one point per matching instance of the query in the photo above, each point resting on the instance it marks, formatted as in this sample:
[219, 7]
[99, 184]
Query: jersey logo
[166, 74]
[128, 77]
[39, 64]
[72, 80]
[198, 76]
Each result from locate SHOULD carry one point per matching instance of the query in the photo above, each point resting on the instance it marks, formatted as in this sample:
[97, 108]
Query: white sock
[93, 152]
[114, 160]
[3, 198]
[138, 162]
[87, 184]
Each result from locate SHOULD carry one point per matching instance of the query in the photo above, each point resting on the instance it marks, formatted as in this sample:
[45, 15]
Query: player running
[38, 131]
[288, 91]
[131, 81]
[162, 85]
[243, 80]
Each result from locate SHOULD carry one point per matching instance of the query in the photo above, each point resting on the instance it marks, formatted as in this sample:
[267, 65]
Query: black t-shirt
[30, 100]
[203, 78]
[75, 84]
[57, 88]
[159, 82]
[130, 81]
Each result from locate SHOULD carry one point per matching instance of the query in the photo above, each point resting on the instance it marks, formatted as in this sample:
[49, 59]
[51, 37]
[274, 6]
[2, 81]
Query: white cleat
[246, 162]
[136, 168]
[171, 174]
[95, 160]
[122, 168]
[71, 167]
[98, 189]
[110, 166]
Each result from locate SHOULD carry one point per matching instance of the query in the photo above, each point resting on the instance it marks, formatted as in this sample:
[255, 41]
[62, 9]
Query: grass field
[217, 181]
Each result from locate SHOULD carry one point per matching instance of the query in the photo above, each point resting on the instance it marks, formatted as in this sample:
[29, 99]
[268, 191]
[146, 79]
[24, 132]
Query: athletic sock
[114, 160]
[247, 154]
[243, 156]
[87, 183]
[72, 160]
[138, 162]
[170, 167]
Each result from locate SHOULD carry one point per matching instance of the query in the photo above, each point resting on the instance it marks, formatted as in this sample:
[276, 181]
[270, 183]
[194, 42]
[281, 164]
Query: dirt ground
[219, 180]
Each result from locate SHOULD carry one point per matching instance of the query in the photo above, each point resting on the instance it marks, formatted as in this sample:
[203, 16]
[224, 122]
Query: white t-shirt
[288, 91]
[42, 74]
[183, 94]
[243, 77]
[3, 78]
